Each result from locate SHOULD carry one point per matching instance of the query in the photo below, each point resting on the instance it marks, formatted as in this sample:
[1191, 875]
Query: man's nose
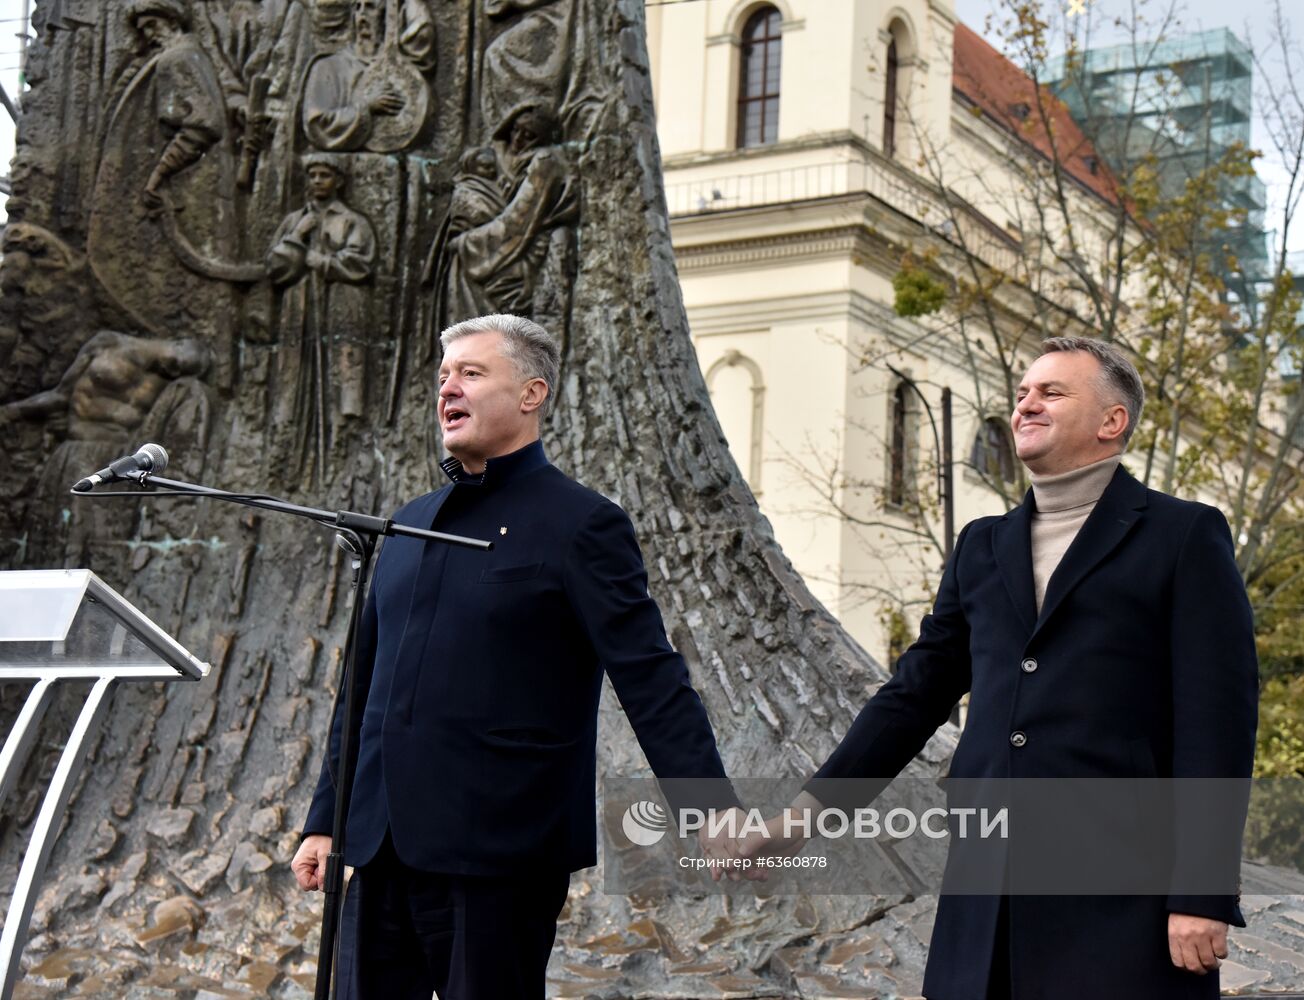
[450, 388]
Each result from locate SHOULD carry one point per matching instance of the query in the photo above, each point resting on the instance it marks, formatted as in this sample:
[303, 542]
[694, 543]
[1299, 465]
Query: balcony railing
[957, 222]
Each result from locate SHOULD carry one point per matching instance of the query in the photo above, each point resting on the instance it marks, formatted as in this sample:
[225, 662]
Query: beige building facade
[808, 146]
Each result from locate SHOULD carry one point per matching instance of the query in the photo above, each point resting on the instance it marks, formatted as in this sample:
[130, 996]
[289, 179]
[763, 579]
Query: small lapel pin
[502, 530]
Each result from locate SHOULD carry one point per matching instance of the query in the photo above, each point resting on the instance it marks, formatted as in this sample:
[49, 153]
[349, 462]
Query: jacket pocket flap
[511, 574]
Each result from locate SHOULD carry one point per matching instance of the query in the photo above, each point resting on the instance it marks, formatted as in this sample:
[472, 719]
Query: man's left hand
[1196, 944]
[723, 847]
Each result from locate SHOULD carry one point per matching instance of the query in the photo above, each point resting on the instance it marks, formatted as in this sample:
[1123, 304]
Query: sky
[1253, 20]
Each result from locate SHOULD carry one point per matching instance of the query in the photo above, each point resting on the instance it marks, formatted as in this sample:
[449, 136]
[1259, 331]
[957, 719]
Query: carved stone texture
[271, 327]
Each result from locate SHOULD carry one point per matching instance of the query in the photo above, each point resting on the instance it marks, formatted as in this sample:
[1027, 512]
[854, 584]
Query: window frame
[998, 464]
[762, 29]
[898, 486]
[890, 98]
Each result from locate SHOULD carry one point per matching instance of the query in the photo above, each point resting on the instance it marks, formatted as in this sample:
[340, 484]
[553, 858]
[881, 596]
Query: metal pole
[18, 745]
[333, 879]
[48, 820]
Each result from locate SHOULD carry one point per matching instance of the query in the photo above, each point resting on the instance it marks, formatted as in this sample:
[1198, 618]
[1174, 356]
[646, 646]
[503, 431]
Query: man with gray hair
[481, 672]
[1102, 631]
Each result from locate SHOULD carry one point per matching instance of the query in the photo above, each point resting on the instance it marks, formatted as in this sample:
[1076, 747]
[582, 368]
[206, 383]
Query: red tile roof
[1008, 97]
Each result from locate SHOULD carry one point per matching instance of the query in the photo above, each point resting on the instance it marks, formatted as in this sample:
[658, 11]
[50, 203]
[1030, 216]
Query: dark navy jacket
[1145, 667]
[481, 673]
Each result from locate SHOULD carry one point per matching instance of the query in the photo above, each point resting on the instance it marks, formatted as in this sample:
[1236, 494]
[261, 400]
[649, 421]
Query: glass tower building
[1185, 101]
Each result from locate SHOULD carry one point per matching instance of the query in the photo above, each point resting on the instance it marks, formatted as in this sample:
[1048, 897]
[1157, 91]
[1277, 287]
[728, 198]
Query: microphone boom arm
[341, 519]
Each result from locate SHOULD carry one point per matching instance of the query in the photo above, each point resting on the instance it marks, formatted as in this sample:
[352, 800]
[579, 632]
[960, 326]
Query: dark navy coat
[481, 673]
[1145, 667]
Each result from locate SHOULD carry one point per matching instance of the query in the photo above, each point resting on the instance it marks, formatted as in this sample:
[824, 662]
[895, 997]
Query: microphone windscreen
[152, 457]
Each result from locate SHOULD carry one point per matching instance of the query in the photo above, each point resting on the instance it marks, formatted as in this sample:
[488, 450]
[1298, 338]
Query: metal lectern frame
[177, 664]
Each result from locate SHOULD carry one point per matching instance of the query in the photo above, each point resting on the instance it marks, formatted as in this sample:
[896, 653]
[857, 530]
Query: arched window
[898, 458]
[890, 100]
[758, 80]
[993, 452]
[737, 389]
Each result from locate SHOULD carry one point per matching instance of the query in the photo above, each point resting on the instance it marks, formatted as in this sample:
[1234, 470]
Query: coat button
[1018, 739]
[1029, 665]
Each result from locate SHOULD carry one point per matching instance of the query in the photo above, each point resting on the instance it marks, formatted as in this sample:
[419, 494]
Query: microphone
[150, 458]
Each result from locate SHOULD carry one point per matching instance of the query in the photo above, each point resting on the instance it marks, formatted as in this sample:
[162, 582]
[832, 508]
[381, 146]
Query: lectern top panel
[71, 623]
[38, 605]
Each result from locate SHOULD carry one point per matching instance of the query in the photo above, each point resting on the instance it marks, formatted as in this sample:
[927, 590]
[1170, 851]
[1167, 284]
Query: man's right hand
[309, 864]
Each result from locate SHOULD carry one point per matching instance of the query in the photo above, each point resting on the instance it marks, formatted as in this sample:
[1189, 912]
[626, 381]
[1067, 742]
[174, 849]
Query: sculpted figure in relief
[187, 94]
[164, 142]
[372, 95]
[323, 258]
[259, 47]
[112, 385]
[539, 55]
[509, 242]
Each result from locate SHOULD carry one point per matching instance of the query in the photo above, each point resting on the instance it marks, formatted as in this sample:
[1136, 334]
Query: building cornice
[942, 12]
[876, 241]
[907, 336]
[818, 140]
[806, 245]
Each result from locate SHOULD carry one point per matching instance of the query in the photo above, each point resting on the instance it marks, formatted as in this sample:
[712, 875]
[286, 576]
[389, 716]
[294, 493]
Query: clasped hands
[777, 840]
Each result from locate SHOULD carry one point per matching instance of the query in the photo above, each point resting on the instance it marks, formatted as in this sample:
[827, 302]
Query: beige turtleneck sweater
[1063, 503]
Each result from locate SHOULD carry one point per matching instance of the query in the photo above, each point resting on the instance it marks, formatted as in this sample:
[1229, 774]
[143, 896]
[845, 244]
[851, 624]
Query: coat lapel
[1012, 542]
[421, 512]
[1114, 515]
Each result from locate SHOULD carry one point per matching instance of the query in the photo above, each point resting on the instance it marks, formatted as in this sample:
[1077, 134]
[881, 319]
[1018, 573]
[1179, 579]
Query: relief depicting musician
[369, 95]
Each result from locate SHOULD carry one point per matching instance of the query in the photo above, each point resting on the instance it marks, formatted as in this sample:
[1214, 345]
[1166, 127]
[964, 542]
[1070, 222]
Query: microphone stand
[358, 533]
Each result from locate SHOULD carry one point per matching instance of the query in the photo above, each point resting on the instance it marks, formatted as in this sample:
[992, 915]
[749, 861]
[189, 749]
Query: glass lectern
[66, 625]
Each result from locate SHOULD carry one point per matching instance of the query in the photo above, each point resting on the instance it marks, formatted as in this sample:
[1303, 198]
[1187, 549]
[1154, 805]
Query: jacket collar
[500, 470]
[1114, 515]
[332, 207]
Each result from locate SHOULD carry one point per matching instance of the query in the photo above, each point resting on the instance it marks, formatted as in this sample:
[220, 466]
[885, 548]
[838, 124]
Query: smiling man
[474, 794]
[1101, 630]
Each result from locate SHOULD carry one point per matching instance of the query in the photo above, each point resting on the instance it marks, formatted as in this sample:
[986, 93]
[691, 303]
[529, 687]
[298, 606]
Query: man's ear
[534, 395]
[1114, 424]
